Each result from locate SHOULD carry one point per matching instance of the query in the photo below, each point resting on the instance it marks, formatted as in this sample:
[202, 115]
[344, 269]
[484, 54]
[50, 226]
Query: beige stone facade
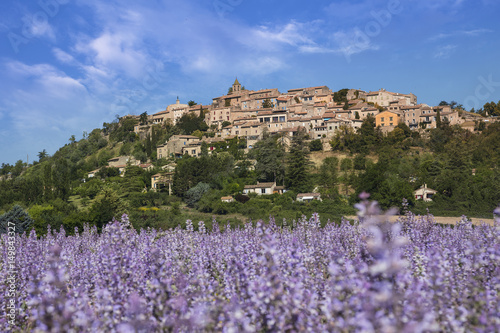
[384, 98]
[174, 147]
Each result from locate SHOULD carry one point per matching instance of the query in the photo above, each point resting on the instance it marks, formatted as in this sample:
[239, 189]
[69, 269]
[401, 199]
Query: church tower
[236, 86]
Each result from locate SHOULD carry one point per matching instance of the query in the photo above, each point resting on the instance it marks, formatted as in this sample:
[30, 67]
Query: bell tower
[236, 86]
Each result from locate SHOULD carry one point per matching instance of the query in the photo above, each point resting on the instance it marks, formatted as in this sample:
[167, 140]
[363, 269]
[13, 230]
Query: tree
[269, 154]
[359, 162]
[107, 206]
[194, 194]
[143, 118]
[438, 119]
[316, 145]
[42, 156]
[148, 145]
[72, 139]
[356, 115]
[329, 176]
[198, 134]
[192, 103]
[267, 104]
[345, 167]
[230, 90]
[443, 103]
[340, 96]
[297, 176]
[16, 220]
[189, 123]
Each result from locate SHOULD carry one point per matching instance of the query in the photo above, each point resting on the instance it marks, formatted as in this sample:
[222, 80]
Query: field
[412, 275]
[442, 220]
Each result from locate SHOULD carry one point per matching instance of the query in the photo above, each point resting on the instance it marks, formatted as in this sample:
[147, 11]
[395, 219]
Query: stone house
[387, 119]
[383, 98]
[227, 199]
[260, 188]
[424, 193]
[174, 146]
[308, 197]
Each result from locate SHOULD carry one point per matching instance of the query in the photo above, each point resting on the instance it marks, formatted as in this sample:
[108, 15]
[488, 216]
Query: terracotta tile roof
[264, 113]
[260, 185]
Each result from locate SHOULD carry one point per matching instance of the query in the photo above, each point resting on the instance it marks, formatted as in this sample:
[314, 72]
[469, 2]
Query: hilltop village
[318, 110]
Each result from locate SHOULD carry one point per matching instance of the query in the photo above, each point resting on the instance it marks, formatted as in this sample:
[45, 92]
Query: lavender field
[409, 276]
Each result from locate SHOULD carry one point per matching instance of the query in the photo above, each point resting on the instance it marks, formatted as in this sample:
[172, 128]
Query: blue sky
[67, 66]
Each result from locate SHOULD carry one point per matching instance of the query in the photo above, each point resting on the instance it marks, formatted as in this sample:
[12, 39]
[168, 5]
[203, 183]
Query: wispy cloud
[445, 52]
[353, 42]
[460, 33]
[36, 27]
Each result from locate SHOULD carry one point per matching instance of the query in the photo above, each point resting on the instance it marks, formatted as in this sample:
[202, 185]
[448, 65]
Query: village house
[174, 146]
[383, 98]
[411, 114]
[274, 120]
[260, 188]
[227, 199]
[355, 94]
[363, 110]
[387, 120]
[177, 110]
[283, 102]
[308, 197]
[217, 116]
[424, 193]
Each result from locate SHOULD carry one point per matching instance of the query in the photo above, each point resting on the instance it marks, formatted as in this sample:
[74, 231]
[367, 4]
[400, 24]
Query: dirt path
[443, 219]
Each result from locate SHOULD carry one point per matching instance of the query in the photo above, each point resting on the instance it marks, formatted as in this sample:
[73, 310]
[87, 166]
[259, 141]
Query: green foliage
[315, 145]
[15, 220]
[297, 176]
[124, 131]
[190, 123]
[340, 96]
[143, 118]
[359, 162]
[194, 194]
[329, 177]
[108, 205]
[212, 169]
[267, 104]
[269, 154]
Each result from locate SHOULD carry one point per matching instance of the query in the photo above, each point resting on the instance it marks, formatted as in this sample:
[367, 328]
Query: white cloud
[458, 33]
[52, 80]
[445, 52]
[62, 56]
[353, 42]
[290, 34]
[37, 25]
[118, 52]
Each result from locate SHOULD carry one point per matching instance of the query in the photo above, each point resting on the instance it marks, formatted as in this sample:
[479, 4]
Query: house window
[390, 118]
[263, 190]
[382, 119]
